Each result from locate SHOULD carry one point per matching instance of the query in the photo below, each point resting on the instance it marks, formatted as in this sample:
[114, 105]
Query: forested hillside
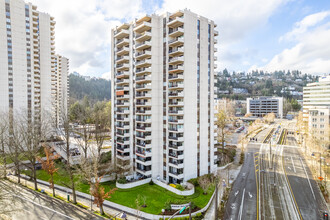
[96, 89]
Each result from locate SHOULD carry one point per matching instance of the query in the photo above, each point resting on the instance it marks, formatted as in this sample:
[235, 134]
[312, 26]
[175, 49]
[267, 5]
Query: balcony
[175, 103]
[215, 49]
[175, 155]
[143, 112]
[144, 78]
[142, 55]
[142, 27]
[143, 63]
[144, 120]
[175, 121]
[122, 134]
[175, 86]
[124, 119]
[122, 81]
[176, 52]
[176, 164]
[122, 142]
[215, 58]
[177, 175]
[175, 112]
[144, 171]
[143, 87]
[122, 59]
[122, 126]
[122, 42]
[215, 41]
[143, 70]
[143, 36]
[176, 32]
[121, 104]
[122, 51]
[176, 129]
[122, 67]
[122, 157]
[176, 42]
[175, 69]
[173, 138]
[215, 66]
[143, 95]
[175, 22]
[121, 33]
[176, 60]
[138, 103]
[143, 136]
[143, 161]
[122, 74]
[175, 77]
[175, 94]
[143, 128]
[216, 33]
[143, 45]
[143, 153]
[122, 88]
[120, 111]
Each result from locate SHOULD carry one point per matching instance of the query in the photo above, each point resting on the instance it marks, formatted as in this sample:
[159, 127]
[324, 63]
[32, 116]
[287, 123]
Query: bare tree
[3, 140]
[99, 194]
[65, 132]
[204, 182]
[33, 132]
[49, 166]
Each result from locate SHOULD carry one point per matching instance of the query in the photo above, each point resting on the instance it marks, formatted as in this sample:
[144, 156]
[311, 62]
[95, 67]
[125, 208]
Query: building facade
[261, 106]
[319, 125]
[27, 60]
[316, 94]
[163, 85]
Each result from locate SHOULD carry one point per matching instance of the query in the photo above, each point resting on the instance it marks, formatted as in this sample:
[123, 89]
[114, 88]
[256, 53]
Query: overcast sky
[253, 34]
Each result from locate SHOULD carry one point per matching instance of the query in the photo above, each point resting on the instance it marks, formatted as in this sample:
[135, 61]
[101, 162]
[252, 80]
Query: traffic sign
[182, 210]
[321, 178]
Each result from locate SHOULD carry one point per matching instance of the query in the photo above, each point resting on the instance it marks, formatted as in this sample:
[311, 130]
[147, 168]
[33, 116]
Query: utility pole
[189, 210]
[216, 198]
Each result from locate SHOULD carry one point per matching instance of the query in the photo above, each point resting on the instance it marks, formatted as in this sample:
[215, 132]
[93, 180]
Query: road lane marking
[241, 208]
[310, 185]
[236, 193]
[294, 168]
[250, 195]
[288, 182]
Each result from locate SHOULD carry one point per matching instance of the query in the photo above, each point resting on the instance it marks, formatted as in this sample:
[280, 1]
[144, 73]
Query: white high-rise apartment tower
[163, 90]
[27, 60]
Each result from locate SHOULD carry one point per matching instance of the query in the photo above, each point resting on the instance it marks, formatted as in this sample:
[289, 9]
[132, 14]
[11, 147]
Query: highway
[275, 181]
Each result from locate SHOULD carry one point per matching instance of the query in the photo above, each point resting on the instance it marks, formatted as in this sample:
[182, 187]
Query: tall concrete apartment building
[28, 79]
[262, 106]
[163, 85]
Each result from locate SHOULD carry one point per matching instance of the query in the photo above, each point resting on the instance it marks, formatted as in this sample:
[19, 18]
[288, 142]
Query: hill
[239, 86]
[96, 89]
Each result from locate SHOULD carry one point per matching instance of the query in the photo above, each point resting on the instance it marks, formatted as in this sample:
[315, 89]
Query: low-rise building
[319, 125]
[261, 106]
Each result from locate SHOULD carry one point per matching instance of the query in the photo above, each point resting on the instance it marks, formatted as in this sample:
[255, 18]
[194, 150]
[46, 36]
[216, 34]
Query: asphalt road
[304, 187]
[29, 205]
[278, 188]
[242, 200]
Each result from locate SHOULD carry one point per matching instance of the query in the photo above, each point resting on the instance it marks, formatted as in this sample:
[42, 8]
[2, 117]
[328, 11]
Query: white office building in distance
[163, 85]
[27, 60]
[261, 106]
[316, 94]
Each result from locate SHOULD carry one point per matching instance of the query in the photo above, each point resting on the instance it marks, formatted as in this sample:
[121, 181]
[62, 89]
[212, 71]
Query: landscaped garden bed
[156, 197]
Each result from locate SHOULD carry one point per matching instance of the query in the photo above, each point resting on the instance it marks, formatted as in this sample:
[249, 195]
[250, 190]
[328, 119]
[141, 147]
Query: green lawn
[156, 196]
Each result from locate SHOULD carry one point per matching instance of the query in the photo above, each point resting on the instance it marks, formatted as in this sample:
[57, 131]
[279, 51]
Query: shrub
[167, 205]
[179, 187]
[122, 181]
[151, 183]
[105, 157]
[194, 181]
